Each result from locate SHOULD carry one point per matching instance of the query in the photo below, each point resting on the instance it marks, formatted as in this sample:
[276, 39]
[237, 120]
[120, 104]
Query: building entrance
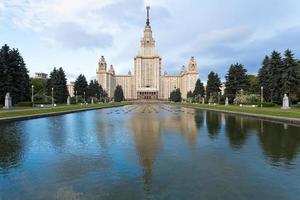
[148, 95]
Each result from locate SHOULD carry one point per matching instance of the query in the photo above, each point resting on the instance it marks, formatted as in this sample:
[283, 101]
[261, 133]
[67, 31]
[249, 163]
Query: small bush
[24, 104]
[297, 105]
[266, 104]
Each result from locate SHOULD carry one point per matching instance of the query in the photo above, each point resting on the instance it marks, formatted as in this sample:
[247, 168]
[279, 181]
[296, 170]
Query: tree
[265, 78]
[14, 76]
[189, 95]
[175, 95]
[213, 85]
[58, 82]
[289, 75]
[39, 85]
[118, 94]
[254, 84]
[199, 89]
[276, 67]
[94, 89]
[236, 79]
[81, 85]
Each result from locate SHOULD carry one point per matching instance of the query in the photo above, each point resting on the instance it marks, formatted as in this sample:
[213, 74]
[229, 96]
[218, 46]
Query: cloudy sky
[74, 34]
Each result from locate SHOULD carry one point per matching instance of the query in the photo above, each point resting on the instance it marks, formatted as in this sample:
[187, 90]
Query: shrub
[266, 104]
[297, 105]
[24, 104]
[247, 99]
[42, 99]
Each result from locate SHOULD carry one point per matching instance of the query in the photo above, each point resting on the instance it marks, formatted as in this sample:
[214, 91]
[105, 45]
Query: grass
[28, 111]
[273, 111]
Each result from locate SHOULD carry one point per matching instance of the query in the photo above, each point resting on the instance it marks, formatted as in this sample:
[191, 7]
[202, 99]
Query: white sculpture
[285, 102]
[8, 101]
[92, 100]
[68, 100]
[202, 100]
[226, 101]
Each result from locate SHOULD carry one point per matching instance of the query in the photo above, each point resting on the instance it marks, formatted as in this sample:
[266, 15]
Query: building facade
[147, 81]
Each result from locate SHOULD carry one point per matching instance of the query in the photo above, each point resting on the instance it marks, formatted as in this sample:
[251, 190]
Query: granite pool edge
[36, 116]
[288, 120]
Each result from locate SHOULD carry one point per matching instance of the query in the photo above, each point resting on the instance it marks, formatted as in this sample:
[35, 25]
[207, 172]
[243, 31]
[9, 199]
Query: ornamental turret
[193, 65]
[102, 66]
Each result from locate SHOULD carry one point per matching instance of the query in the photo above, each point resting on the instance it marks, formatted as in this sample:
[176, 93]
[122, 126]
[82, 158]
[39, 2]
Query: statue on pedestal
[226, 101]
[285, 102]
[68, 100]
[8, 101]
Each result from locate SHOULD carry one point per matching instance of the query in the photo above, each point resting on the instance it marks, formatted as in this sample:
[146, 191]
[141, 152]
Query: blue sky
[74, 34]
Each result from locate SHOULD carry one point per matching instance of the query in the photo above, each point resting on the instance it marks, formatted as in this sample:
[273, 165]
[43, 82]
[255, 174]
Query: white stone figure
[226, 101]
[8, 101]
[202, 100]
[68, 100]
[92, 100]
[285, 102]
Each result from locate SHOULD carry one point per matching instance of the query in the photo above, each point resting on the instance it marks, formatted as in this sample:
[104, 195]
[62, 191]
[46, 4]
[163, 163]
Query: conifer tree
[289, 74]
[213, 85]
[276, 84]
[118, 94]
[199, 89]
[265, 78]
[81, 85]
[58, 81]
[14, 76]
[236, 79]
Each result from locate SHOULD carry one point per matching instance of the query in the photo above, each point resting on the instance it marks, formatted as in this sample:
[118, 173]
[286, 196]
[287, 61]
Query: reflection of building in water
[147, 128]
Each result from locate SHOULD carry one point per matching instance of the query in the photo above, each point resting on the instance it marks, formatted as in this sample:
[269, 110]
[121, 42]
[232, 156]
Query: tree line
[277, 76]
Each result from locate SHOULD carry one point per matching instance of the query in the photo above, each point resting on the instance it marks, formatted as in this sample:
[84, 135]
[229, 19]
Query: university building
[147, 81]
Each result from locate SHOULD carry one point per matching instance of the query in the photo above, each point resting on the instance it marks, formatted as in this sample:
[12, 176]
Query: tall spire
[148, 18]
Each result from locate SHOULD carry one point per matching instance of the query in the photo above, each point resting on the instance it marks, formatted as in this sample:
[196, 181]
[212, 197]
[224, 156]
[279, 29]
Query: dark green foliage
[189, 95]
[95, 90]
[236, 79]
[58, 82]
[176, 95]
[42, 99]
[199, 89]
[118, 94]
[289, 75]
[280, 76]
[266, 104]
[39, 85]
[80, 85]
[254, 84]
[24, 104]
[14, 76]
[264, 78]
[213, 85]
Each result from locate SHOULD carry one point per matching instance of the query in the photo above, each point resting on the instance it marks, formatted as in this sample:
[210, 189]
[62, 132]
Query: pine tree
[14, 76]
[276, 84]
[81, 85]
[94, 89]
[189, 95]
[236, 79]
[118, 94]
[254, 84]
[175, 95]
[289, 75]
[265, 78]
[213, 85]
[199, 89]
[58, 81]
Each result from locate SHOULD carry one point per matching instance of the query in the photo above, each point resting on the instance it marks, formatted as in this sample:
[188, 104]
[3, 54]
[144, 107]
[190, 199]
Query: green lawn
[274, 111]
[26, 111]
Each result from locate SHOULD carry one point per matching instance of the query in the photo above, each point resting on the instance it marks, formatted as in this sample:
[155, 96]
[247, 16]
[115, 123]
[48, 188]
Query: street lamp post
[52, 98]
[84, 97]
[76, 97]
[261, 96]
[32, 92]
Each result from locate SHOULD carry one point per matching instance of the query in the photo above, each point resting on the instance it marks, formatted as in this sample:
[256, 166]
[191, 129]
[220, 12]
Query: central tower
[147, 65]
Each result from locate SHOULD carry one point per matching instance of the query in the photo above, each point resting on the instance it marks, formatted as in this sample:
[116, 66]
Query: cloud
[74, 36]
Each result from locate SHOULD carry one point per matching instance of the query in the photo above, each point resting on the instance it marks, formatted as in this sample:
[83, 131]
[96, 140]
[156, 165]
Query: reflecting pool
[149, 151]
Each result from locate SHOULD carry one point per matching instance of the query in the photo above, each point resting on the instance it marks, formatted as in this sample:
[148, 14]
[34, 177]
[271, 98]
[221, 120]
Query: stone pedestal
[226, 101]
[69, 100]
[8, 101]
[285, 102]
